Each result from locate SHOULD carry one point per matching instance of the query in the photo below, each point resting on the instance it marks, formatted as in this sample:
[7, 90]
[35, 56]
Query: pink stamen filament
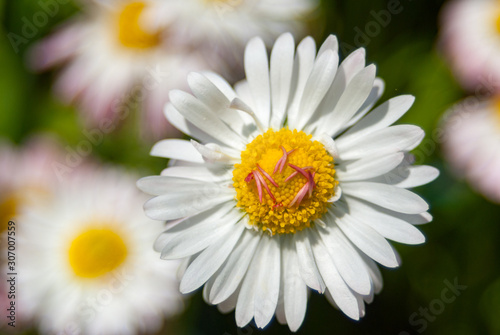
[263, 182]
[300, 195]
[282, 161]
[249, 177]
[267, 176]
[259, 186]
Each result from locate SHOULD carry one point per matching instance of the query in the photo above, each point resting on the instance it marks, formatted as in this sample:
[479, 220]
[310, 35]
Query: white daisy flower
[472, 145]
[86, 264]
[470, 39]
[223, 27]
[288, 185]
[117, 53]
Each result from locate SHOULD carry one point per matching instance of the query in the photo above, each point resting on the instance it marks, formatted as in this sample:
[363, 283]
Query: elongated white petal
[384, 222]
[369, 167]
[176, 149]
[209, 261]
[202, 117]
[281, 77]
[346, 259]
[384, 141]
[342, 295]
[318, 83]
[233, 271]
[387, 196]
[366, 239]
[201, 173]
[309, 270]
[409, 176]
[266, 296]
[294, 290]
[381, 117]
[257, 74]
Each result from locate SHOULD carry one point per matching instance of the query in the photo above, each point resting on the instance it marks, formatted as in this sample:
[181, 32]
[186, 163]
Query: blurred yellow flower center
[8, 209]
[131, 33]
[497, 22]
[96, 252]
[284, 181]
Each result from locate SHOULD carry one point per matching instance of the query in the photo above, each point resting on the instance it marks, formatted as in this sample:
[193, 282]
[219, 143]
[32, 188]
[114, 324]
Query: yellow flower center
[497, 21]
[8, 210]
[131, 33]
[96, 252]
[284, 181]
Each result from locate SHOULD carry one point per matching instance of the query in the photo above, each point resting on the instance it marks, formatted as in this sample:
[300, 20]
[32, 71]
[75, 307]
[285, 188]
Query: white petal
[331, 43]
[209, 217]
[375, 274]
[281, 75]
[178, 121]
[209, 94]
[349, 102]
[213, 153]
[384, 223]
[229, 304]
[233, 271]
[266, 296]
[308, 268]
[201, 173]
[221, 84]
[176, 149]
[209, 261]
[177, 204]
[257, 74]
[295, 290]
[409, 176]
[368, 167]
[303, 65]
[346, 259]
[384, 141]
[318, 83]
[329, 144]
[387, 196]
[342, 295]
[202, 117]
[246, 303]
[191, 241]
[373, 97]
[366, 238]
[381, 117]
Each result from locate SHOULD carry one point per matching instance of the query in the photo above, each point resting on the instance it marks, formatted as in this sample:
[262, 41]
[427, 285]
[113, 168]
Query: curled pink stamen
[249, 177]
[267, 176]
[282, 161]
[299, 170]
[263, 182]
[311, 183]
[259, 186]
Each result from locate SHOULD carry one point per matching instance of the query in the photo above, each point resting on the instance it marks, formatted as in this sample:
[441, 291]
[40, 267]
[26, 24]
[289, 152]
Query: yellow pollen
[130, 32]
[304, 176]
[96, 252]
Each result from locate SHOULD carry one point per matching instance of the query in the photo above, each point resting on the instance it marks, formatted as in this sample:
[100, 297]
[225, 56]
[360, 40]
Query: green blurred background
[461, 241]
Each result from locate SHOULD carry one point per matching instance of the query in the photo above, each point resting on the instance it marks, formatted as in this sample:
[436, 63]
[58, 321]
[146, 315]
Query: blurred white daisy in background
[86, 264]
[221, 28]
[470, 40]
[289, 185]
[26, 174]
[117, 55]
[472, 145]
[123, 53]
